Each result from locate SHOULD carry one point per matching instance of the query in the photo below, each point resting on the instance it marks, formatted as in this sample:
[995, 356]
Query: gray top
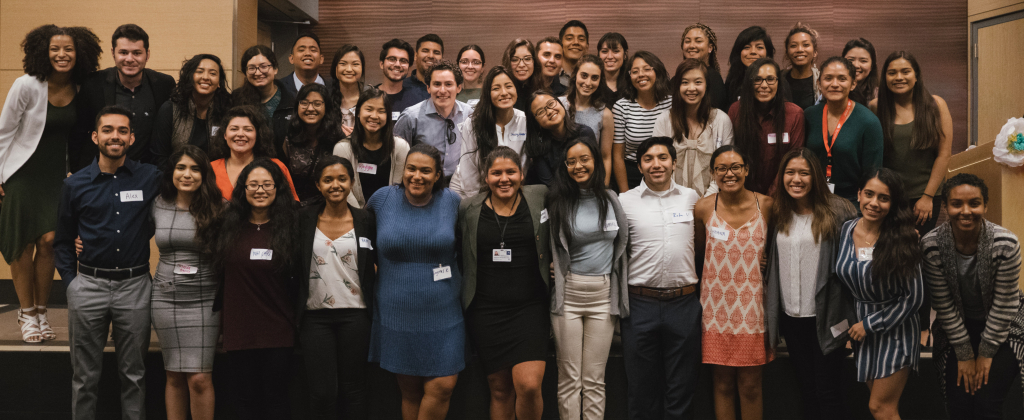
[592, 239]
[591, 117]
[970, 287]
[180, 251]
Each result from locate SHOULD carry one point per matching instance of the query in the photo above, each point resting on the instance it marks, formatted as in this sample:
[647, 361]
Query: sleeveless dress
[732, 294]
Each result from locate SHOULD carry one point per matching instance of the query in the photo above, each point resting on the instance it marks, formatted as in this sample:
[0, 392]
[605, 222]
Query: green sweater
[857, 151]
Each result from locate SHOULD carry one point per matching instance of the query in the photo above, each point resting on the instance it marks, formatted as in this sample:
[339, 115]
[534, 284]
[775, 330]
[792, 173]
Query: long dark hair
[612, 40]
[927, 123]
[601, 97]
[661, 86]
[328, 130]
[538, 140]
[473, 47]
[897, 253]
[734, 80]
[748, 125]
[825, 224]
[563, 197]
[264, 146]
[866, 89]
[37, 52]
[680, 128]
[206, 202]
[182, 93]
[525, 87]
[247, 94]
[387, 132]
[483, 118]
[336, 84]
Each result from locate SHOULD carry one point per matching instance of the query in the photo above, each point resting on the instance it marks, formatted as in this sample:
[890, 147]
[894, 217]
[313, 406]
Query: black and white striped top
[634, 124]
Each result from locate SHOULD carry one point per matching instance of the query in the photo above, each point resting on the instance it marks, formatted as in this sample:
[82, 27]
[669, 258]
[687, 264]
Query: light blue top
[592, 243]
[421, 123]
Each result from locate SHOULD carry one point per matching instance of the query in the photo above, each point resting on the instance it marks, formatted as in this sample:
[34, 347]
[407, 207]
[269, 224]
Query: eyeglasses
[466, 62]
[306, 104]
[450, 135]
[634, 72]
[726, 169]
[256, 187]
[571, 162]
[771, 80]
[393, 60]
[263, 68]
[515, 60]
[550, 106]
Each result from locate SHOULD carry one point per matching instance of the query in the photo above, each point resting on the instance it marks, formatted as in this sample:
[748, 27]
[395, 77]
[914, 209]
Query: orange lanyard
[824, 133]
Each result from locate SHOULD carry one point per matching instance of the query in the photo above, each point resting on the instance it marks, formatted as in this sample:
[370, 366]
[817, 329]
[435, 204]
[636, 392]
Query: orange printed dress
[731, 293]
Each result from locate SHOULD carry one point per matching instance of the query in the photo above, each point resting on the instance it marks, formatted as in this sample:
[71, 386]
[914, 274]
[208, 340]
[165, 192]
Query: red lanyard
[824, 132]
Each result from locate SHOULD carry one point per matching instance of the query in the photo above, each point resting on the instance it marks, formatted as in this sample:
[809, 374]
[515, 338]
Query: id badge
[443, 272]
[501, 255]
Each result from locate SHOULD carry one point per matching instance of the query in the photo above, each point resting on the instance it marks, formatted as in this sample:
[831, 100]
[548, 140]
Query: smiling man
[575, 43]
[306, 57]
[429, 50]
[549, 53]
[395, 57]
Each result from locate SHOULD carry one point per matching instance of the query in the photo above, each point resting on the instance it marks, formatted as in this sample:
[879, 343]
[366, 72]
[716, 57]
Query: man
[435, 121]
[575, 43]
[549, 53]
[661, 338]
[429, 50]
[394, 62]
[306, 58]
[129, 84]
[107, 204]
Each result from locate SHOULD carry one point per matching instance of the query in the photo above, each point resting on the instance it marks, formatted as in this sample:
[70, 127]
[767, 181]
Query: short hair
[307, 34]
[442, 66]
[842, 60]
[429, 38]
[655, 141]
[473, 47]
[37, 52]
[550, 40]
[964, 179]
[113, 110]
[131, 32]
[431, 152]
[573, 24]
[396, 43]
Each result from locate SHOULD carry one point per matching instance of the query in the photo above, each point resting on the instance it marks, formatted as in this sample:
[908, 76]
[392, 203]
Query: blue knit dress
[418, 328]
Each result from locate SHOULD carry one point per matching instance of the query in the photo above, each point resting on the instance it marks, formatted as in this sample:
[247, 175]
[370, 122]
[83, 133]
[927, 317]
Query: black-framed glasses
[449, 136]
[515, 60]
[771, 80]
[256, 187]
[305, 104]
[263, 68]
[735, 169]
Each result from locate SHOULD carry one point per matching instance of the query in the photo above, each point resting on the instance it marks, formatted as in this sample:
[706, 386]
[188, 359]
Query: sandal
[44, 324]
[29, 328]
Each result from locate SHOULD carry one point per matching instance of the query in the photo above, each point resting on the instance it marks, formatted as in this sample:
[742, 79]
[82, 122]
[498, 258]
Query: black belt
[114, 273]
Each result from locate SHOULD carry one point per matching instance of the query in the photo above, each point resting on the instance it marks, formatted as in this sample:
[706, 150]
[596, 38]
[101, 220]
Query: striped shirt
[634, 124]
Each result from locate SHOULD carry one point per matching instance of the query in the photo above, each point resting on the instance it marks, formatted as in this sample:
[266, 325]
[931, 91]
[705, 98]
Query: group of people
[457, 207]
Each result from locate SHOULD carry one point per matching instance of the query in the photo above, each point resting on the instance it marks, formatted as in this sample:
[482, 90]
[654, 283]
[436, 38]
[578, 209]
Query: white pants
[583, 337]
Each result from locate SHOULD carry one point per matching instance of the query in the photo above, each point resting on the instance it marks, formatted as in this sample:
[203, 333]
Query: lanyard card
[442, 273]
[261, 254]
[501, 255]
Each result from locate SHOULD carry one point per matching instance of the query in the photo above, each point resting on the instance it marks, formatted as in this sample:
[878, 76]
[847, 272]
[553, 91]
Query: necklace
[258, 225]
[495, 208]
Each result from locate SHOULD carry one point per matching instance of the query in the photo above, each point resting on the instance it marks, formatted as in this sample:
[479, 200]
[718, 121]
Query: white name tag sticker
[442, 273]
[678, 216]
[261, 254]
[544, 215]
[131, 195]
[365, 243]
[367, 168]
[831, 188]
[395, 115]
[501, 255]
[840, 328]
[785, 138]
[185, 269]
[721, 234]
[865, 254]
[611, 225]
[771, 138]
[472, 102]
[213, 131]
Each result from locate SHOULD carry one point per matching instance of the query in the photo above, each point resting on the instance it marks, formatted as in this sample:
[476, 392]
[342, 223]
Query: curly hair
[264, 146]
[37, 51]
[182, 92]
[712, 43]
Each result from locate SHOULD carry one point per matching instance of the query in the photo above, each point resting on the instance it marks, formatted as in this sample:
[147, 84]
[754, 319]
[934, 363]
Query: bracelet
[929, 195]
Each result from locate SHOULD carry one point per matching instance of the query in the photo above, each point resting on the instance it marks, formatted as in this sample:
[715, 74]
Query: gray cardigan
[618, 292]
[833, 302]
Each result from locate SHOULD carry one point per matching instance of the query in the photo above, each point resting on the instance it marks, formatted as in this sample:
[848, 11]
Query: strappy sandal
[30, 332]
[44, 325]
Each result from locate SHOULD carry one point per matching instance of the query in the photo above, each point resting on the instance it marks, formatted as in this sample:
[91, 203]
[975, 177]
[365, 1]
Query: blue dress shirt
[421, 123]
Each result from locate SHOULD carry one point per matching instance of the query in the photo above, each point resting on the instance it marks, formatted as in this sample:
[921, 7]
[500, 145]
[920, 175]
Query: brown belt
[663, 294]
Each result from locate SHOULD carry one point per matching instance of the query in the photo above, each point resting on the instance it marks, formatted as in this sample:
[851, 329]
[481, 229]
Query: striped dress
[888, 310]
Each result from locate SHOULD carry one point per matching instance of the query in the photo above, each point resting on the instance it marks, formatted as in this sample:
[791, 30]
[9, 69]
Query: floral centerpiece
[1009, 147]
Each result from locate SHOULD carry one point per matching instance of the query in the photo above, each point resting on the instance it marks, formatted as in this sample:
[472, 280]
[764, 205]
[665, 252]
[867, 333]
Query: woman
[254, 253]
[507, 260]
[549, 129]
[247, 137]
[372, 148]
[498, 124]
[751, 45]
[336, 279]
[587, 102]
[803, 299]
[861, 53]
[733, 338]
[802, 75]
[613, 50]
[471, 62]
[520, 58]
[261, 88]
[198, 102]
[418, 332]
[887, 292]
[185, 285]
[701, 43]
[312, 134]
[918, 133]
[695, 125]
[766, 125]
[588, 241]
[647, 95]
[347, 73]
[845, 135]
[972, 266]
[35, 124]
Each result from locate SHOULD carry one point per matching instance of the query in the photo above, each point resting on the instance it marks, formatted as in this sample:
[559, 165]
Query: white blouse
[334, 273]
[798, 267]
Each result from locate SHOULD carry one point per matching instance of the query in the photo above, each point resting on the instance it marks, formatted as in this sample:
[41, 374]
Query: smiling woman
[246, 137]
[312, 134]
[197, 104]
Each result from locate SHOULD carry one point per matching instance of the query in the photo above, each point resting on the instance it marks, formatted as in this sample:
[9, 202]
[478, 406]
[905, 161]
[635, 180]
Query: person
[336, 282]
[261, 89]
[887, 292]
[246, 137]
[549, 129]
[802, 75]
[520, 58]
[434, 122]
[313, 131]
[845, 135]
[429, 50]
[588, 242]
[802, 297]
[661, 338]
[971, 267]
[347, 75]
[696, 127]
[549, 54]
[613, 50]
[394, 63]
[129, 84]
[575, 44]
[373, 149]
[700, 43]
[751, 44]
[307, 58]
[733, 331]
[36, 125]
[861, 53]
[418, 332]
[471, 62]
[498, 124]
[196, 106]
[185, 286]
[253, 253]
[506, 259]
[766, 125]
[587, 102]
[647, 95]
[107, 205]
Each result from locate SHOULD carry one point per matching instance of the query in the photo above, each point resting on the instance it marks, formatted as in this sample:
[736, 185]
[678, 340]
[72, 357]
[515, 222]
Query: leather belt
[115, 274]
[663, 294]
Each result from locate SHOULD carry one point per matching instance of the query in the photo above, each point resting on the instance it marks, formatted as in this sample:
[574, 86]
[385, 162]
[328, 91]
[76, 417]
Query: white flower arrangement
[1009, 147]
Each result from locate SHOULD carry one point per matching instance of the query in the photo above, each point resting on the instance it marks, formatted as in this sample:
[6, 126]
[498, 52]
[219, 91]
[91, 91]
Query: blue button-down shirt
[421, 123]
[111, 213]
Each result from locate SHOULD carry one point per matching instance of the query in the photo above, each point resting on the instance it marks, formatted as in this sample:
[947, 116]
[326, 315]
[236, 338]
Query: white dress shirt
[798, 267]
[661, 253]
[299, 85]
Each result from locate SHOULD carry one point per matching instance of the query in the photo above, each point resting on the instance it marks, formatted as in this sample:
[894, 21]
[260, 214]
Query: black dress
[508, 321]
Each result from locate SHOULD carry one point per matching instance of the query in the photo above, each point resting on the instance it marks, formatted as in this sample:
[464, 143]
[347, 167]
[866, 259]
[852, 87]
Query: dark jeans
[820, 375]
[259, 383]
[987, 402]
[661, 349]
[335, 345]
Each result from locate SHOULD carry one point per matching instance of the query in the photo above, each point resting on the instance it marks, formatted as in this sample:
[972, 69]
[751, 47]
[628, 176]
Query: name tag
[132, 195]
[544, 215]
[472, 102]
[185, 269]
[367, 168]
[502, 255]
[365, 243]
[785, 137]
[442, 273]
[679, 216]
[831, 188]
[213, 131]
[721, 234]
[840, 328]
[865, 254]
[718, 142]
[611, 225]
[771, 138]
[261, 254]
[395, 115]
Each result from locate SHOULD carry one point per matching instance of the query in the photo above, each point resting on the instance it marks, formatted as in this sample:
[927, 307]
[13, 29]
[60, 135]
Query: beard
[112, 155]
